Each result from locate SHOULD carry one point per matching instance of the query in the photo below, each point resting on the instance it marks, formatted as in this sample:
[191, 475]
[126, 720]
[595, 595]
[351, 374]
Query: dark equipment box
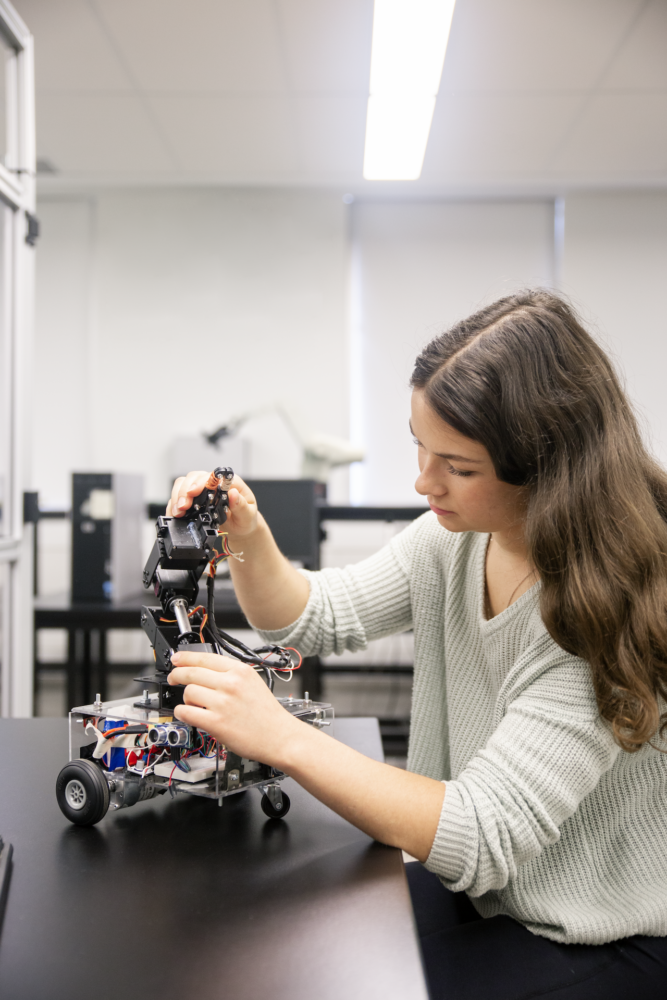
[107, 524]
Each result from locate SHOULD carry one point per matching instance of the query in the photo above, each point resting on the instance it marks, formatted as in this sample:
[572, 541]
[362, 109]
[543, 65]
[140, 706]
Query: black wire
[136, 729]
[235, 647]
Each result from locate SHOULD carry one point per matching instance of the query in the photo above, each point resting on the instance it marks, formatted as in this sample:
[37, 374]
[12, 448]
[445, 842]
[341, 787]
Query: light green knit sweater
[544, 818]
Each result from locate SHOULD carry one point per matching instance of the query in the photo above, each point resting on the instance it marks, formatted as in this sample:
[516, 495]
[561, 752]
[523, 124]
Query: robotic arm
[184, 548]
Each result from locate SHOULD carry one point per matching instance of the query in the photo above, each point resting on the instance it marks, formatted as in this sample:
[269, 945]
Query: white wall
[417, 268]
[615, 272]
[162, 313]
[61, 420]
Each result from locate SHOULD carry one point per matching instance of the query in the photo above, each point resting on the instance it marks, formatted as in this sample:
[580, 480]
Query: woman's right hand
[271, 592]
[242, 516]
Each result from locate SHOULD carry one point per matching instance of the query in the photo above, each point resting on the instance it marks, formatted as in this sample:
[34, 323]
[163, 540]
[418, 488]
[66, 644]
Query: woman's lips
[438, 510]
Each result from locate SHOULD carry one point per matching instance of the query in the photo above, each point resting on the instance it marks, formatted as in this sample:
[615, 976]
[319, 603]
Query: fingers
[242, 503]
[184, 489]
[209, 660]
[238, 485]
[240, 506]
[242, 509]
[193, 716]
[202, 697]
[212, 679]
[194, 675]
[174, 495]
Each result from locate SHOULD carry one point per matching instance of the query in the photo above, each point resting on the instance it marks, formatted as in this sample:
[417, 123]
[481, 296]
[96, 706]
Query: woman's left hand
[230, 701]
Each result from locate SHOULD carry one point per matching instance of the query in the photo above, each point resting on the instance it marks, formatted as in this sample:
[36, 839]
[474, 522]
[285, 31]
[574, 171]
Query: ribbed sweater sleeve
[548, 752]
[347, 608]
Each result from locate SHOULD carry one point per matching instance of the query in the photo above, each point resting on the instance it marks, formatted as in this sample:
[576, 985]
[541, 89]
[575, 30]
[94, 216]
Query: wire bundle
[270, 659]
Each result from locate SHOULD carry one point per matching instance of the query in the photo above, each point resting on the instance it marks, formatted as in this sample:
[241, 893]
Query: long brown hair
[523, 378]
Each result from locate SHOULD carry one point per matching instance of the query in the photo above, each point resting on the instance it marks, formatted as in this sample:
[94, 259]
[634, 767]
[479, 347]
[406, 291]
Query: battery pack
[200, 769]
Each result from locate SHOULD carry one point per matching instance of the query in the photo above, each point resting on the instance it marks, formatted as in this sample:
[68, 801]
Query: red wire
[294, 666]
[113, 732]
[120, 729]
[200, 607]
[291, 649]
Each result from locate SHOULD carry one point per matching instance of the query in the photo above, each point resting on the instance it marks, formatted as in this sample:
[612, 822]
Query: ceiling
[536, 95]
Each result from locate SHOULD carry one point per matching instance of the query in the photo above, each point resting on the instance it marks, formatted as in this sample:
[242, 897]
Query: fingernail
[182, 503]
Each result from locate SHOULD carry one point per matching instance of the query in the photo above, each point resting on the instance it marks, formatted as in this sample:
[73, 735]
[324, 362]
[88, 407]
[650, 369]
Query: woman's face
[457, 477]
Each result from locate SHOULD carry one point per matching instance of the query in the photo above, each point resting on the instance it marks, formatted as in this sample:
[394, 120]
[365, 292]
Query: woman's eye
[459, 472]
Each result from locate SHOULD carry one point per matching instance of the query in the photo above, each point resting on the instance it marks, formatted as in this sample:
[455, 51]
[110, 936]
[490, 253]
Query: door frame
[17, 282]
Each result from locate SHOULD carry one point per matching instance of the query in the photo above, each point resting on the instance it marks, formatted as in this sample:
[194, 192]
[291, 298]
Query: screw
[145, 694]
[306, 696]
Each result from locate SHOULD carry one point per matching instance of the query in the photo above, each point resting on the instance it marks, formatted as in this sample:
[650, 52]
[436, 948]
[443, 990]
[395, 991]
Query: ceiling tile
[220, 46]
[72, 51]
[642, 62]
[327, 45]
[488, 134]
[275, 90]
[331, 133]
[533, 45]
[230, 134]
[618, 133]
[98, 133]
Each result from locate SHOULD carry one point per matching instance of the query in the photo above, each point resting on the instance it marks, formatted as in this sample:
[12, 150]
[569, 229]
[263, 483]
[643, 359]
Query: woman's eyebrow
[460, 458]
[456, 458]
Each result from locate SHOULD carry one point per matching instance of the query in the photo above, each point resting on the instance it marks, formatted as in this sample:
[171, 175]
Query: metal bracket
[274, 794]
[32, 234]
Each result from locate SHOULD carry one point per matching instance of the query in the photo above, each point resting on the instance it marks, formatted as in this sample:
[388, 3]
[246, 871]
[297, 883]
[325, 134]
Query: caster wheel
[82, 792]
[271, 811]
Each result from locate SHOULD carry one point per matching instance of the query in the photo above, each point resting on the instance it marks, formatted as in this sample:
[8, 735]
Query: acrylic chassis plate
[319, 714]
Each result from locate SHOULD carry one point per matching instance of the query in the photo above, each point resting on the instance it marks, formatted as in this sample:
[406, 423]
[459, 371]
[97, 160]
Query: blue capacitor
[116, 756]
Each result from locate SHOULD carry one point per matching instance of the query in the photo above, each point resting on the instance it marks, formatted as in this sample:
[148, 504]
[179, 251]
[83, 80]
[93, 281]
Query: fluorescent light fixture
[397, 131]
[409, 44]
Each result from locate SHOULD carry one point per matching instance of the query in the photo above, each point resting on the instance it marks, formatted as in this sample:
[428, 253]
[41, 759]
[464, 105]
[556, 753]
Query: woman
[535, 793]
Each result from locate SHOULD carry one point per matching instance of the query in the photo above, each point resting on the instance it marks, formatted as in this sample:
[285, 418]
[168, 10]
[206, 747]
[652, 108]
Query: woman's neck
[509, 573]
[512, 543]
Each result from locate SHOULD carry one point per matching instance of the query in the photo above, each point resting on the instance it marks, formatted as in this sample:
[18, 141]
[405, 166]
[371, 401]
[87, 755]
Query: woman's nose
[429, 482]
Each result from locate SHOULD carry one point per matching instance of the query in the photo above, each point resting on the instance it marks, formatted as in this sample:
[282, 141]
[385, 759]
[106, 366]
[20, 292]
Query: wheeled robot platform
[123, 753]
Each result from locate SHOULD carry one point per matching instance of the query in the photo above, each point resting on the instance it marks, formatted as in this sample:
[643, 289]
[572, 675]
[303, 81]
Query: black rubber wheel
[270, 809]
[82, 792]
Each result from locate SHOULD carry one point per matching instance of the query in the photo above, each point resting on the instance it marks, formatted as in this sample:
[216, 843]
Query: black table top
[183, 899]
[58, 611]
